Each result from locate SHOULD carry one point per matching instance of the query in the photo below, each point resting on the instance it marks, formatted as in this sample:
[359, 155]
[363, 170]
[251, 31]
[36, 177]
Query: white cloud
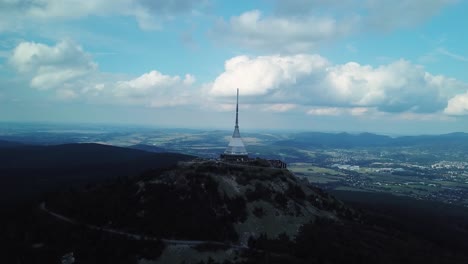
[395, 87]
[269, 83]
[51, 66]
[311, 80]
[66, 68]
[142, 85]
[156, 90]
[265, 74]
[458, 105]
[253, 30]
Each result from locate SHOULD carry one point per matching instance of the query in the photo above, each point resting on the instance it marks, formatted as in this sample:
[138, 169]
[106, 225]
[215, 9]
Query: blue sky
[382, 66]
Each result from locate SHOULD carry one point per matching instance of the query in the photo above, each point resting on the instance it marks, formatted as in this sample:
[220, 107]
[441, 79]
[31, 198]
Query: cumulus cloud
[71, 72]
[149, 14]
[276, 83]
[49, 67]
[265, 74]
[156, 89]
[395, 87]
[312, 80]
[253, 30]
[458, 105]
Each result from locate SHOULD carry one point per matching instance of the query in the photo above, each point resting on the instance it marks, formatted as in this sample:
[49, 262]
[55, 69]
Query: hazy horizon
[82, 127]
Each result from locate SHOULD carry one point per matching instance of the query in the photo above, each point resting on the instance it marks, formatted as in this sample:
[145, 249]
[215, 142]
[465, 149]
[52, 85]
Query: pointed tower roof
[236, 145]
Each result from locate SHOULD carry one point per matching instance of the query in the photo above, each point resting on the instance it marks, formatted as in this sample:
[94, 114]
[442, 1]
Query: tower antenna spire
[236, 149]
[237, 109]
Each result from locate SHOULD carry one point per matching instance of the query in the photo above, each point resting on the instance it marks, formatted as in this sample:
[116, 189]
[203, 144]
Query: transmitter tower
[236, 149]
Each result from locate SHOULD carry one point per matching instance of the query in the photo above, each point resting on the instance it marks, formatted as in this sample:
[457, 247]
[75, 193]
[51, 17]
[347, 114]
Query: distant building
[278, 164]
[236, 151]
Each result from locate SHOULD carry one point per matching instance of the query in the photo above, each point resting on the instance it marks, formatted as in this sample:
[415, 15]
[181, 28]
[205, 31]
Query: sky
[383, 66]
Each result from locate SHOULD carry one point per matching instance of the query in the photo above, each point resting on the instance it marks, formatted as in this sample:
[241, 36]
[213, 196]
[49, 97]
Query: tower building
[236, 149]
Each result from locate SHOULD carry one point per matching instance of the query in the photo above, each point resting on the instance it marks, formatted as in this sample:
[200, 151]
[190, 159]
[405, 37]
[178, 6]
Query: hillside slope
[26, 171]
[241, 201]
[210, 201]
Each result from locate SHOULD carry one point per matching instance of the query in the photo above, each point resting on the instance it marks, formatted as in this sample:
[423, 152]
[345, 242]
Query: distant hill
[31, 170]
[444, 140]
[346, 140]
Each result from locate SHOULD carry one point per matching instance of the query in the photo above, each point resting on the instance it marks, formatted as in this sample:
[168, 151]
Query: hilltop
[205, 201]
